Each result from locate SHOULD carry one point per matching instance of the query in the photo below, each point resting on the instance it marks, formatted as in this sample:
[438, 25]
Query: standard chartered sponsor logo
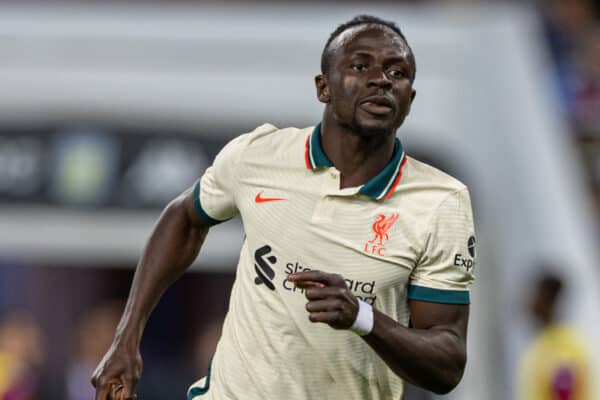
[265, 261]
[364, 291]
[264, 272]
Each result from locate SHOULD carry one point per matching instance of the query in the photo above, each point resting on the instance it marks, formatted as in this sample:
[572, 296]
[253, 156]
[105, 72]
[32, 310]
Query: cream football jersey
[405, 234]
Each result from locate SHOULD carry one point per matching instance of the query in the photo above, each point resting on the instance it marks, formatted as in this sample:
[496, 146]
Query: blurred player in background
[355, 269]
[556, 364]
[21, 356]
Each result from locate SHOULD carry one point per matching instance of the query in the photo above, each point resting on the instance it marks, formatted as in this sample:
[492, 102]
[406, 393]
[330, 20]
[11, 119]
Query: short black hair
[550, 285]
[362, 20]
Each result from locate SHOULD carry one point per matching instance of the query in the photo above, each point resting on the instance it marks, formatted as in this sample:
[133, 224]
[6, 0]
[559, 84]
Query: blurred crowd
[572, 28]
[49, 349]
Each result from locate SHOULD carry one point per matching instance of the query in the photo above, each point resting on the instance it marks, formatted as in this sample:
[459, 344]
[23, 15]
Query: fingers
[327, 295]
[128, 393]
[103, 392]
[337, 312]
[127, 390]
[114, 390]
[308, 284]
[315, 293]
[323, 305]
[118, 374]
[324, 278]
[329, 299]
[327, 317]
[332, 307]
[106, 389]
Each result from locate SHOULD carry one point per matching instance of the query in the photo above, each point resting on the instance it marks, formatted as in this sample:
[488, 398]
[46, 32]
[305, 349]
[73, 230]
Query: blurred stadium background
[109, 109]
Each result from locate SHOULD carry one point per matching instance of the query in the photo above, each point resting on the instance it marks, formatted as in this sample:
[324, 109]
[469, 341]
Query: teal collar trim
[381, 186]
[316, 156]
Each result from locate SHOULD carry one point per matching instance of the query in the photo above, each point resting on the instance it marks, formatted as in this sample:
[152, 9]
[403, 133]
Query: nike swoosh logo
[260, 199]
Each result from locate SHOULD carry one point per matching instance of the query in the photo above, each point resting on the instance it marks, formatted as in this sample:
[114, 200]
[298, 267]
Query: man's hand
[329, 299]
[118, 374]
[173, 246]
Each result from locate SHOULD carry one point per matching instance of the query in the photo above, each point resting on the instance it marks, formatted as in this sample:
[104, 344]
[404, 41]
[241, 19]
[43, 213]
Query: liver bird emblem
[381, 227]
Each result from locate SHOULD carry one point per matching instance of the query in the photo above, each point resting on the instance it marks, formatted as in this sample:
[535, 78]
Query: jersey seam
[430, 221]
[235, 165]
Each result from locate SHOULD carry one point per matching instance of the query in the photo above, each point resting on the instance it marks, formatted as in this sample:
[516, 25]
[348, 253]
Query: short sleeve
[214, 193]
[446, 267]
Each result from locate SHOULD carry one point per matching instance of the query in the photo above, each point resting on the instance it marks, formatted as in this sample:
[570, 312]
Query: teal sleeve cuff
[210, 220]
[432, 295]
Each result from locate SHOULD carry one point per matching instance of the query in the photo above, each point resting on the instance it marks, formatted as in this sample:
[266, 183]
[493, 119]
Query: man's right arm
[171, 249]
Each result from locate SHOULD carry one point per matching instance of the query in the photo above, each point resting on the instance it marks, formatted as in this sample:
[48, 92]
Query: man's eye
[397, 73]
[359, 67]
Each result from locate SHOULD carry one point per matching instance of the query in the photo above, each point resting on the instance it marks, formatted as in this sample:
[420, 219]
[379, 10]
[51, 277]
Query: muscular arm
[172, 247]
[431, 354]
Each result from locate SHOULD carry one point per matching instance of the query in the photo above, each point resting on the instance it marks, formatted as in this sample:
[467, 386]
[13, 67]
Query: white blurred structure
[483, 105]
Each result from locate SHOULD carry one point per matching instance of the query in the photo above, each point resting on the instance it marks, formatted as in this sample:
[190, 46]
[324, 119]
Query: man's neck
[358, 158]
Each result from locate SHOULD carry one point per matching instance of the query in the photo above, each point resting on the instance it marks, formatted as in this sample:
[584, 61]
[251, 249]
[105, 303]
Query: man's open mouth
[377, 105]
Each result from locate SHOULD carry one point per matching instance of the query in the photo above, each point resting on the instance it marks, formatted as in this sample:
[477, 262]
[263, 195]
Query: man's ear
[322, 85]
[413, 94]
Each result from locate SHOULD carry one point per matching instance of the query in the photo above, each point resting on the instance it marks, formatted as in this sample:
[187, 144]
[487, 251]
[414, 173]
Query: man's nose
[378, 78]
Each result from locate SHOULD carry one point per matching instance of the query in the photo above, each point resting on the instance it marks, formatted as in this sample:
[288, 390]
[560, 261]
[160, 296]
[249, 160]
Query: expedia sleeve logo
[464, 261]
[471, 246]
[262, 266]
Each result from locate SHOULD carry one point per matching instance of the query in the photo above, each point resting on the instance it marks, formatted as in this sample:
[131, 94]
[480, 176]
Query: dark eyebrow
[400, 60]
[361, 54]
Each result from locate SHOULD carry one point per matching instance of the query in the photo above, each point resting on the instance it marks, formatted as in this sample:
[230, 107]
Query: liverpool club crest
[381, 227]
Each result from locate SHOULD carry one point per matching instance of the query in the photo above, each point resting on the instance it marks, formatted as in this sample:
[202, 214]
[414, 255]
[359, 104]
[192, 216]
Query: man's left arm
[430, 354]
[433, 353]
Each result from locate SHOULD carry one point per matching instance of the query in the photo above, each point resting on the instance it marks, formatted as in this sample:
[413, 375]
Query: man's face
[368, 85]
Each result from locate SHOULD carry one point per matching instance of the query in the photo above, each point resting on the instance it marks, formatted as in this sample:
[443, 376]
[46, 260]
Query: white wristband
[363, 325]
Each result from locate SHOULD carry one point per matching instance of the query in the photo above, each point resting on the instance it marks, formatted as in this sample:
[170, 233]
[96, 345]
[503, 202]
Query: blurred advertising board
[92, 166]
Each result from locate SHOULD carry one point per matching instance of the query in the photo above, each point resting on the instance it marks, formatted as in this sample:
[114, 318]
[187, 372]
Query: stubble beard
[373, 136]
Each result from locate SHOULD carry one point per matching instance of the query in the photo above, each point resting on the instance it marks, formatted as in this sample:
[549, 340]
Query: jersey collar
[381, 186]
